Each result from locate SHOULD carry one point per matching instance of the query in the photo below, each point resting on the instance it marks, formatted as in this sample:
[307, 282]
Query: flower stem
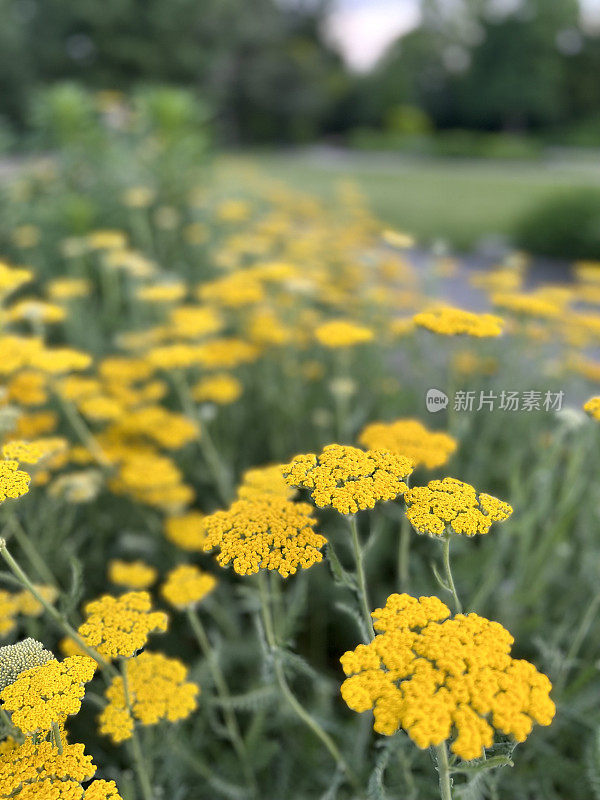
[448, 571]
[52, 612]
[57, 739]
[211, 455]
[580, 634]
[404, 554]
[443, 769]
[136, 747]
[225, 697]
[287, 693]
[30, 550]
[360, 575]
[86, 437]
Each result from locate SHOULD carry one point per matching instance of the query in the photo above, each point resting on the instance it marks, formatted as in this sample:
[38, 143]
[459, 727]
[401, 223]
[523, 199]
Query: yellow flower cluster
[450, 321]
[19, 657]
[442, 678]
[186, 586]
[349, 479]
[11, 278]
[11, 605]
[13, 481]
[133, 574]
[260, 481]
[264, 532]
[120, 626]
[33, 451]
[48, 694]
[187, 531]
[592, 407]
[530, 305]
[157, 689]
[342, 333]
[450, 504]
[410, 438]
[221, 389]
[31, 771]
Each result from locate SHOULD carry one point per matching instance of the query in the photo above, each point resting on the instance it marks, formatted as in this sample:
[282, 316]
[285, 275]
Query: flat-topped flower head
[34, 451]
[260, 481]
[102, 790]
[13, 481]
[444, 678]
[157, 689]
[187, 531]
[264, 532]
[48, 694]
[342, 333]
[186, 586]
[19, 657]
[120, 626]
[132, 574]
[409, 437]
[449, 321]
[348, 478]
[452, 506]
[31, 771]
[592, 407]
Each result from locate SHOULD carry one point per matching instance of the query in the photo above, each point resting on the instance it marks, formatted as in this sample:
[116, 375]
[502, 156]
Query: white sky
[363, 29]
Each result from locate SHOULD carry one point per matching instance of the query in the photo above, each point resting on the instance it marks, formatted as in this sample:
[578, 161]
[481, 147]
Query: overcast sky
[364, 28]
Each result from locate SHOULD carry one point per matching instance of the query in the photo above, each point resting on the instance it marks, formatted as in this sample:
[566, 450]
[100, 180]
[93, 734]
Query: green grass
[459, 201]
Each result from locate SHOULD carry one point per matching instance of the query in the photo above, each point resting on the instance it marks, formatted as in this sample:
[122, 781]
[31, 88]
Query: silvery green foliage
[16, 658]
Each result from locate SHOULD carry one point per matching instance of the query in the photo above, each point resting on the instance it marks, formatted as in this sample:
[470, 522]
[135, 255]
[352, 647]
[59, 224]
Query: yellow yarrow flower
[454, 506]
[33, 451]
[450, 321]
[592, 407]
[132, 574]
[349, 479]
[260, 481]
[186, 586]
[102, 790]
[11, 278]
[31, 771]
[120, 626]
[48, 694]
[187, 531]
[157, 690]
[342, 333]
[13, 481]
[410, 438]
[264, 532]
[221, 389]
[444, 678]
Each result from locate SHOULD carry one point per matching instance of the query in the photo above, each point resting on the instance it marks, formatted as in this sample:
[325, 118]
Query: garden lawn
[456, 200]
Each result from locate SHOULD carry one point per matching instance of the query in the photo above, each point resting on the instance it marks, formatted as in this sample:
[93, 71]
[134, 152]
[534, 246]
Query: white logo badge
[435, 400]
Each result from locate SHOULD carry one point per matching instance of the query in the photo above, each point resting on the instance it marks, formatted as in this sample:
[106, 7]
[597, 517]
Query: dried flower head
[442, 678]
[264, 532]
[410, 438]
[120, 626]
[349, 479]
[453, 505]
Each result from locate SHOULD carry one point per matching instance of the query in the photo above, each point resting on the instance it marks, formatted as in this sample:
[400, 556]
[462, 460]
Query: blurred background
[473, 123]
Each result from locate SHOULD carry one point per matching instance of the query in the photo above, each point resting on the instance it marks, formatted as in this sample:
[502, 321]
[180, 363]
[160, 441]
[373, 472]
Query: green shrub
[566, 225]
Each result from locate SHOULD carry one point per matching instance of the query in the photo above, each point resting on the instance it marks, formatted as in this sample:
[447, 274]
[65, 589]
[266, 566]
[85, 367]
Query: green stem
[57, 739]
[360, 575]
[404, 554]
[443, 769]
[52, 612]
[86, 437]
[287, 693]
[30, 550]
[136, 747]
[211, 455]
[448, 572]
[222, 690]
[580, 634]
